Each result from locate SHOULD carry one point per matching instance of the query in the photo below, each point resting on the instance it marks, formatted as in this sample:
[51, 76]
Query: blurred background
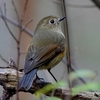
[82, 30]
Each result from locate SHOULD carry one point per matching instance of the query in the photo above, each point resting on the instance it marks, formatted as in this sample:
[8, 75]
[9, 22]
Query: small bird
[46, 49]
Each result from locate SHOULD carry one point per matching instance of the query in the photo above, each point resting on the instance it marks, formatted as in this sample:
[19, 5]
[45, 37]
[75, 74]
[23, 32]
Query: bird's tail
[27, 80]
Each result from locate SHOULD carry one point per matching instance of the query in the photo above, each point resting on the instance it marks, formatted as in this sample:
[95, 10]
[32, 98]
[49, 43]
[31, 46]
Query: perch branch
[8, 81]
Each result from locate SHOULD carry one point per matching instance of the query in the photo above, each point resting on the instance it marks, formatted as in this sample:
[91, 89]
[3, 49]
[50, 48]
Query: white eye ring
[52, 21]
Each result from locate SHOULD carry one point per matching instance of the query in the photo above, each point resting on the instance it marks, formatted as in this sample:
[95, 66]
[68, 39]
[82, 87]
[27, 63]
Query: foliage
[48, 88]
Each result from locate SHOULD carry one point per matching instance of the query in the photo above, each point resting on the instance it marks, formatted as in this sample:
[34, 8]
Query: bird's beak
[60, 19]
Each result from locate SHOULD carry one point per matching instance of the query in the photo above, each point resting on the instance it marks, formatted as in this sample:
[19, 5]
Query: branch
[17, 25]
[8, 81]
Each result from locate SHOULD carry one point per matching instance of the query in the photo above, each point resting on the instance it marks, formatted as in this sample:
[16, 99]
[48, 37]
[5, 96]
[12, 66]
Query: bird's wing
[38, 56]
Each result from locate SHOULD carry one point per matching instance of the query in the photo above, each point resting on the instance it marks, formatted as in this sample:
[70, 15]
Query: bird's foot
[38, 79]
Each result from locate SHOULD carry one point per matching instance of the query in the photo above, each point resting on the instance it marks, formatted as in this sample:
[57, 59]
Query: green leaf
[86, 87]
[48, 87]
[82, 74]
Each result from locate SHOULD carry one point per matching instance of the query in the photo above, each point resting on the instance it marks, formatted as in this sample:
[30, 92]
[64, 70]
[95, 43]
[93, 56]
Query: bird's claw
[38, 78]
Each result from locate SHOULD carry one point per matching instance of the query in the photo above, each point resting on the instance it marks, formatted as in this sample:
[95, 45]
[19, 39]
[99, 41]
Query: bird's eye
[52, 21]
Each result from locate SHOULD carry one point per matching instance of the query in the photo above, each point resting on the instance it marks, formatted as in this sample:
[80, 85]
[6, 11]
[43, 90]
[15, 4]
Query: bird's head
[50, 22]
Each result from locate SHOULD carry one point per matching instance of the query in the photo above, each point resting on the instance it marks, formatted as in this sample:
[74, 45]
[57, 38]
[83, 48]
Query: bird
[46, 49]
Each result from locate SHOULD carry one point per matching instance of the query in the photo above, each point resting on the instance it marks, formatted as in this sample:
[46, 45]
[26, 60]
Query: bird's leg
[38, 78]
[52, 75]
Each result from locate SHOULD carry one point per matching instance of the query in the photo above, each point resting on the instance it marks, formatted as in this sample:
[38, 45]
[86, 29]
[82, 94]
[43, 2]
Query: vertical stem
[67, 36]
[18, 44]
[18, 61]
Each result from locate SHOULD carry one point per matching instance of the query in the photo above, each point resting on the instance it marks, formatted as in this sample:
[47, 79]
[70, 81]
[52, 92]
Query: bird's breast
[48, 37]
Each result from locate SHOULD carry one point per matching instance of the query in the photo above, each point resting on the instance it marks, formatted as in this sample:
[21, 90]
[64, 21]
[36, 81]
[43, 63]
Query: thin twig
[28, 22]
[67, 36]
[68, 58]
[24, 10]
[7, 24]
[18, 18]
[21, 30]
[19, 39]
[4, 59]
[13, 22]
